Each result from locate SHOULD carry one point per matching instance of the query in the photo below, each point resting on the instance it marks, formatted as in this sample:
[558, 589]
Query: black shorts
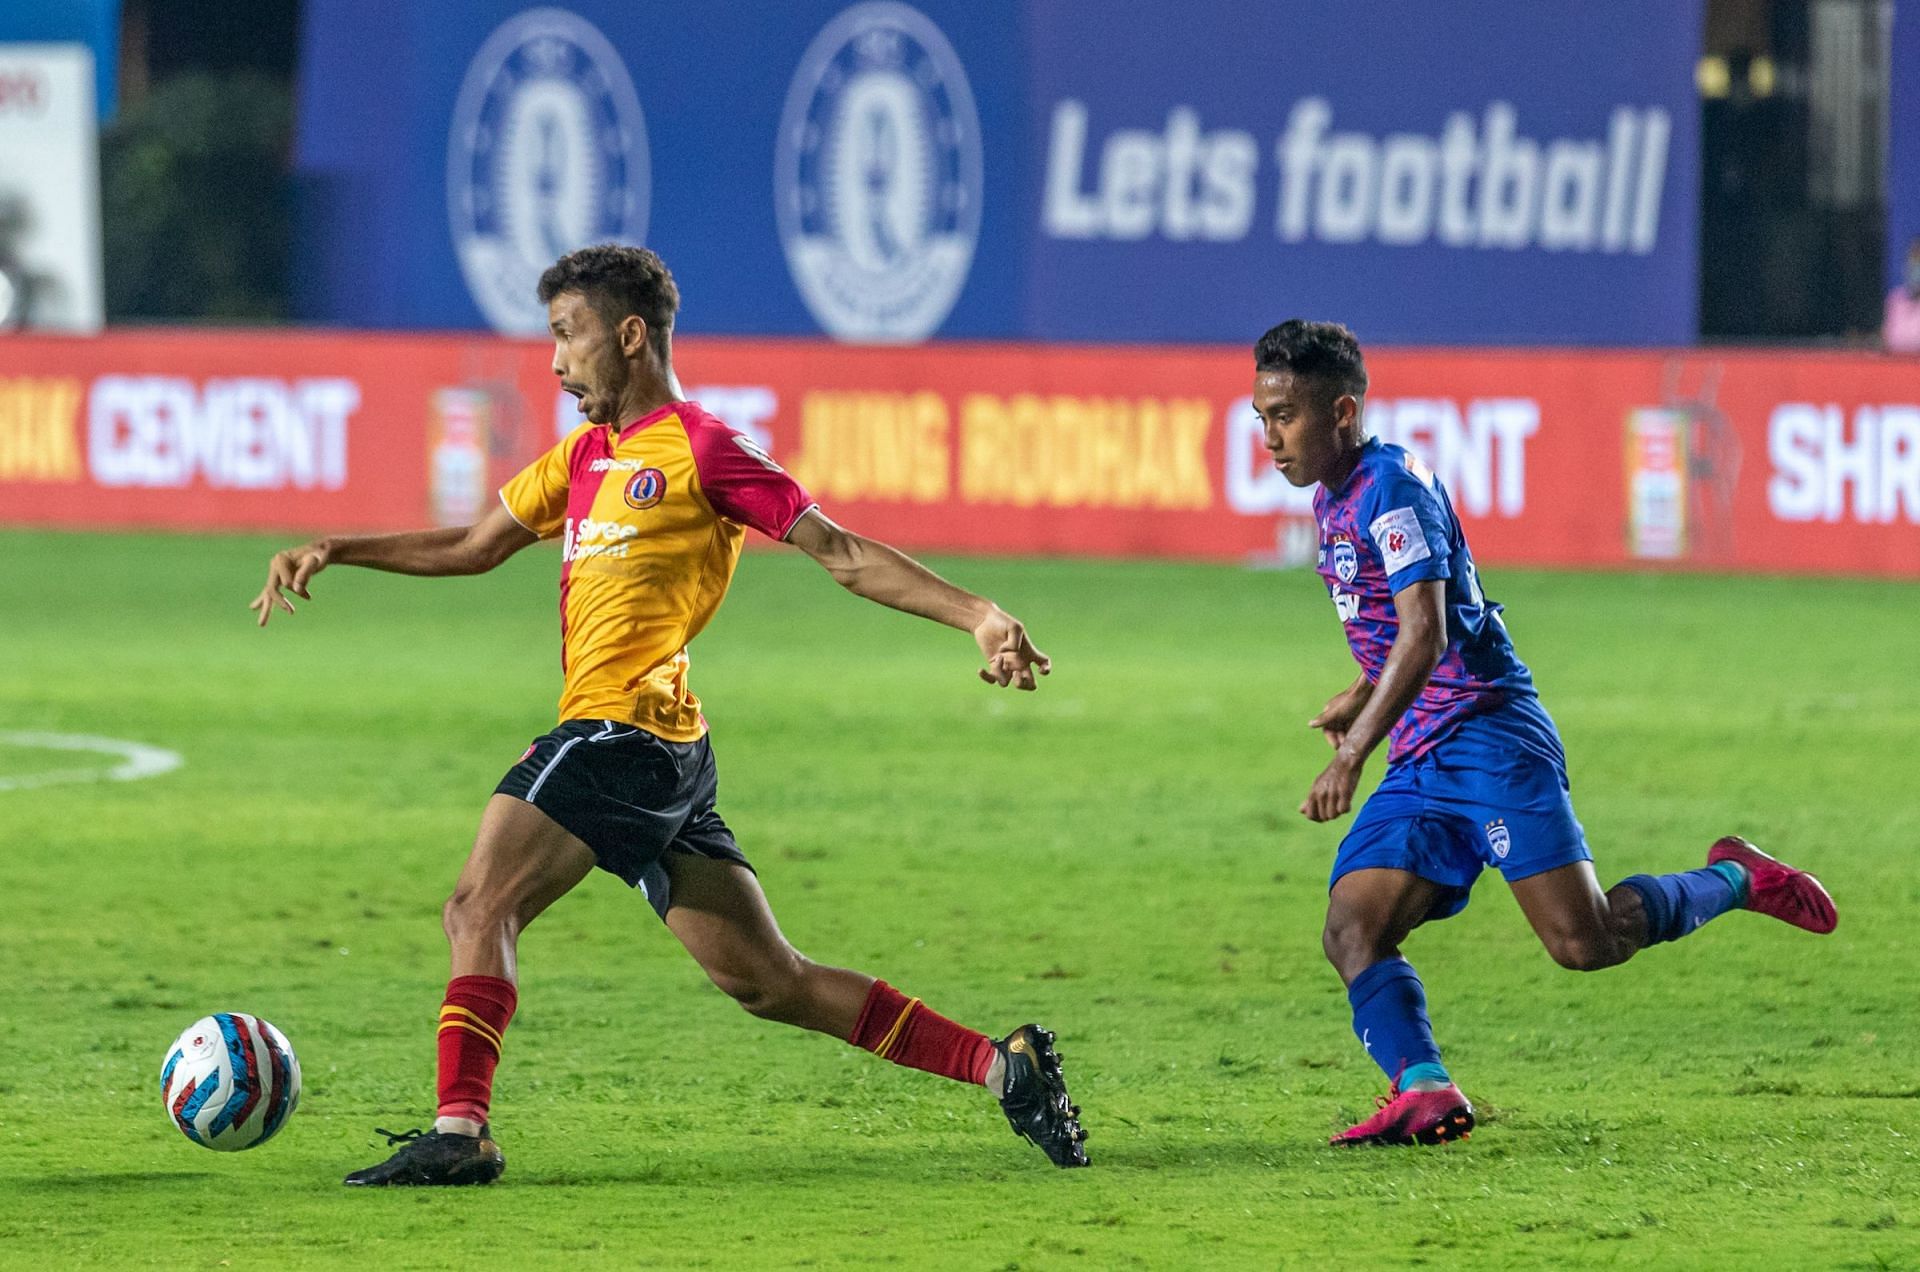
[628, 795]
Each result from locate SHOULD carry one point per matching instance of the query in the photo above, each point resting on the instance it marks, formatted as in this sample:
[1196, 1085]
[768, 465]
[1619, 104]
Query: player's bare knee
[768, 999]
[467, 914]
[453, 916]
[1586, 953]
[771, 991]
[1351, 944]
[1332, 943]
[744, 988]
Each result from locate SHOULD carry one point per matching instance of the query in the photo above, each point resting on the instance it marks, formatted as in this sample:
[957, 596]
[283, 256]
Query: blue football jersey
[1392, 525]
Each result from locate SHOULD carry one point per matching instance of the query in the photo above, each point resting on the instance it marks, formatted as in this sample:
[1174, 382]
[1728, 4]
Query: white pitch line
[137, 760]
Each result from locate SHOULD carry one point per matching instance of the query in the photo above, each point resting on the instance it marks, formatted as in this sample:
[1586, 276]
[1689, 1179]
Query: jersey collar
[1367, 447]
[648, 420]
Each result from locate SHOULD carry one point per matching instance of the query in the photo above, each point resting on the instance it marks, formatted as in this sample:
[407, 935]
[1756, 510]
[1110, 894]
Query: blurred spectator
[1902, 330]
[19, 286]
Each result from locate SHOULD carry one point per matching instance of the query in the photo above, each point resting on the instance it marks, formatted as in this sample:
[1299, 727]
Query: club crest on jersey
[1498, 839]
[1346, 562]
[646, 488]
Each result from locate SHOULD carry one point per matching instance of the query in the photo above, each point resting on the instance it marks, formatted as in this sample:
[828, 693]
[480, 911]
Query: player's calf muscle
[1627, 918]
[1607, 935]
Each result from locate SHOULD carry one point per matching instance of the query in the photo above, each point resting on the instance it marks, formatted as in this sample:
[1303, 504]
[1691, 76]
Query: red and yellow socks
[476, 1011]
[472, 1020]
[908, 1032]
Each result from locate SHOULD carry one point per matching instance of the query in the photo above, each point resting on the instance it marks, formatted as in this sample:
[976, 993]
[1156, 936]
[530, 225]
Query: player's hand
[289, 571]
[1011, 657]
[1341, 711]
[1332, 793]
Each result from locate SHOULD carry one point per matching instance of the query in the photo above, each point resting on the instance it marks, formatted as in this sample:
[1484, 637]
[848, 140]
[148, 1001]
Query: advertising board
[1764, 461]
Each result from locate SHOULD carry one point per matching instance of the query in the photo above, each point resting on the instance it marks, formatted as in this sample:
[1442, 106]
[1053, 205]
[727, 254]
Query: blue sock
[1678, 903]
[1390, 1019]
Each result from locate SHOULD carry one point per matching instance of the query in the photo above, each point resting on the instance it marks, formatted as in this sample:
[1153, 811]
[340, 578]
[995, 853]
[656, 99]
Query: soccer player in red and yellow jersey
[650, 498]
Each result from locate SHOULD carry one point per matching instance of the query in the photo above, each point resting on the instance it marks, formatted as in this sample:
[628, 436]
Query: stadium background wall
[1760, 460]
[1478, 172]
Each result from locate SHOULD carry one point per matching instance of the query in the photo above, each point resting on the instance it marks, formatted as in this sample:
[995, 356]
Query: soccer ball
[230, 1081]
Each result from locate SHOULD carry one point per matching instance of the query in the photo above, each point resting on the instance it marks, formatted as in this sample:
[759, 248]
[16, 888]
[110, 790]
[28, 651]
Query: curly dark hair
[618, 280]
[1324, 352]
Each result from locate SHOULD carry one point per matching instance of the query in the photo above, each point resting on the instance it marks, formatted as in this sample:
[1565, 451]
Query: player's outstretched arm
[473, 549]
[869, 568]
[1418, 645]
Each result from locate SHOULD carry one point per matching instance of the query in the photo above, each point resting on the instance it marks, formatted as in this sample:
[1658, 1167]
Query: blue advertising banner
[882, 172]
[1474, 171]
[1903, 141]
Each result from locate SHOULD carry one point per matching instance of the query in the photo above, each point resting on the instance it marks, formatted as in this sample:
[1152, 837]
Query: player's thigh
[522, 862]
[1399, 865]
[721, 915]
[1381, 904]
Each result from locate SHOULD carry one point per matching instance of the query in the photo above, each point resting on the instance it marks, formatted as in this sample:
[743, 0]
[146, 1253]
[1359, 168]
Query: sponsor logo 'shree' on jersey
[1390, 526]
[650, 518]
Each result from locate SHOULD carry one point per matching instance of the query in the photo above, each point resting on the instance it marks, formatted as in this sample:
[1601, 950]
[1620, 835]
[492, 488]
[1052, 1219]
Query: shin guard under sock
[472, 1020]
[908, 1032]
[1676, 904]
[1390, 1019]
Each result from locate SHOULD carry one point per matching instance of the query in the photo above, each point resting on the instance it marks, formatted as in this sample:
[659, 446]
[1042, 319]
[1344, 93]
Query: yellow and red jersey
[651, 518]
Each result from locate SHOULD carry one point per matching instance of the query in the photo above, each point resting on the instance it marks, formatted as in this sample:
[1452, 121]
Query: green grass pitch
[1117, 856]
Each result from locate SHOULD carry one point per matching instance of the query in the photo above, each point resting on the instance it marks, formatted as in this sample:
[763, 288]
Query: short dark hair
[618, 280]
[1322, 351]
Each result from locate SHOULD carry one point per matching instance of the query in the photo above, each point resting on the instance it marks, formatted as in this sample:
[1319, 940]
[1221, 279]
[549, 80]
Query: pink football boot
[1413, 1117]
[1776, 888]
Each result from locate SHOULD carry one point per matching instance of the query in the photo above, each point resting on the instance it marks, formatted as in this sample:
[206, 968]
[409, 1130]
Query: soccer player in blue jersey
[1475, 773]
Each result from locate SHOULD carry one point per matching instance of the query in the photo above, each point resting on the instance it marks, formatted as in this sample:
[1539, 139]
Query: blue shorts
[1491, 793]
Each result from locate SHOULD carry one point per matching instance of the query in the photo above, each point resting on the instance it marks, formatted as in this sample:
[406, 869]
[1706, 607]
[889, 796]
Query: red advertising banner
[1750, 460]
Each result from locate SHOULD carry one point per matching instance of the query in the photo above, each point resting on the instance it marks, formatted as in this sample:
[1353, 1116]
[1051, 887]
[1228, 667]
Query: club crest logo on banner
[547, 152]
[878, 175]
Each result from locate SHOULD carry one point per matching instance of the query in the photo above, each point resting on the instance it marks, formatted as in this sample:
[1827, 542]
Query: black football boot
[429, 1158]
[1035, 1099]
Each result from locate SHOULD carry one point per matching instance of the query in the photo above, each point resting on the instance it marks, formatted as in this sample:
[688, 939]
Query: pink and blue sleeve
[1408, 527]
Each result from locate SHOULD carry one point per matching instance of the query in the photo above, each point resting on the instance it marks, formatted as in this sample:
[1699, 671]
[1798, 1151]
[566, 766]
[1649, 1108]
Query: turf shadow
[97, 1180]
